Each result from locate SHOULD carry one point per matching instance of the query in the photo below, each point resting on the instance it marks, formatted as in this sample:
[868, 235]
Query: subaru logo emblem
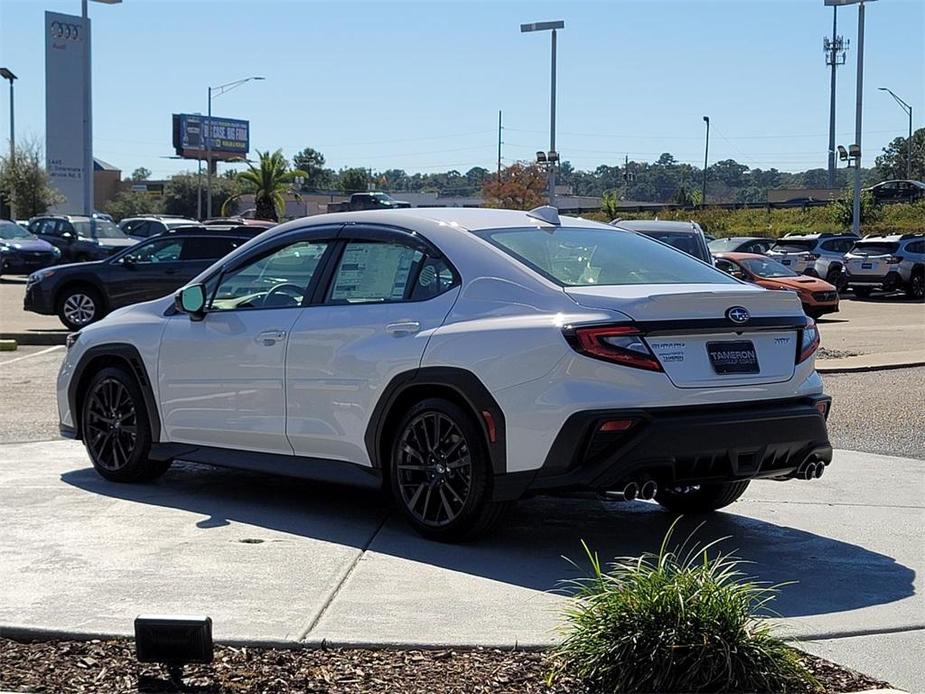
[738, 315]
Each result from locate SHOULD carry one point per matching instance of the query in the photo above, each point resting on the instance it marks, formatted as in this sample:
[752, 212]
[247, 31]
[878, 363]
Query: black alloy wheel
[441, 474]
[116, 429]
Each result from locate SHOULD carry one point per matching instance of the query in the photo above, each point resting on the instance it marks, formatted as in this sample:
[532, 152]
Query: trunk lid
[690, 334]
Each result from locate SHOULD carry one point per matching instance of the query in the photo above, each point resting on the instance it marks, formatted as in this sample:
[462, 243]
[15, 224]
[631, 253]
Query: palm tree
[267, 182]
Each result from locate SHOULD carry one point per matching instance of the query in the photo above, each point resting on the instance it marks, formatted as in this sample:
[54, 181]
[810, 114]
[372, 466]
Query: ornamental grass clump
[677, 621]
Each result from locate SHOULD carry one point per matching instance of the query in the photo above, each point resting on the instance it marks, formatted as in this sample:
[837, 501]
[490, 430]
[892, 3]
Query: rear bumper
[679, 446]
[890, 279]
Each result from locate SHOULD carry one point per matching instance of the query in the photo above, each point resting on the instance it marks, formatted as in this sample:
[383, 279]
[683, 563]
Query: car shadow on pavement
[536, 540]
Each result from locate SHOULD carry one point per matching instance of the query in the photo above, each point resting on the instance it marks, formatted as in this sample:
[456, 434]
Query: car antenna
[546, 213]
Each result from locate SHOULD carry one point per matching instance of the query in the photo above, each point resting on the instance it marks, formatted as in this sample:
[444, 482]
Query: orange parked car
[818, 296]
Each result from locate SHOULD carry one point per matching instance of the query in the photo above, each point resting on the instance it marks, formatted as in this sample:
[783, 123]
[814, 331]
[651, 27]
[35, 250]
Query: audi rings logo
[63, 30]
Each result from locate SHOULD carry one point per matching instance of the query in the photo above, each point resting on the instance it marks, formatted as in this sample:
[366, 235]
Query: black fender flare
[123, 354]
[465, 385]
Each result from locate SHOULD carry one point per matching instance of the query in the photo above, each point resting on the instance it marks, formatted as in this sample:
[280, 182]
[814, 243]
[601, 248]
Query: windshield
[577, 257]
[9, 230]
[874, 248]
[767, 269]
[794, 246]
[104, 230]
[718, 245]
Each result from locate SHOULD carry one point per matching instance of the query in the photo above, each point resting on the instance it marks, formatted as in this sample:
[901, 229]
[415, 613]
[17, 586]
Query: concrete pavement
[274, 560]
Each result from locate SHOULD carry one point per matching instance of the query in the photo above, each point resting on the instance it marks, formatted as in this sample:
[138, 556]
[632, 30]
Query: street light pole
[706, 155]
[856, 211]
[552, 155]
[902, 104]
[220, 89]
[7, 74]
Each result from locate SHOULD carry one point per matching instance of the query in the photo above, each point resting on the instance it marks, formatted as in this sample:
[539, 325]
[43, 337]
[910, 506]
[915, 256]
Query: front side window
[580, 257]
[163, 251]
[375, 272]
[279, 279]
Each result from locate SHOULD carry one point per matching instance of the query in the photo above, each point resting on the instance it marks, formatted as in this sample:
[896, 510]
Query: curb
[863, 368]
[37, 339]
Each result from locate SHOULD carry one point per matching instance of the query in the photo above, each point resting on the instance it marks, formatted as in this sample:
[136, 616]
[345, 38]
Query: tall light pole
[706, 155]
[219, 90]
[6, 74]
[553, 155]
[88, 111]
[902, 104]
[835, 54]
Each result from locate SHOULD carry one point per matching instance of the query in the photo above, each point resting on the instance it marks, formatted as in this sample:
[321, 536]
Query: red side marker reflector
[823, 407]
[612, 425]
[490, 425]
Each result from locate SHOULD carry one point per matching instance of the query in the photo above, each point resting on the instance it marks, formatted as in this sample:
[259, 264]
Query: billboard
[230, 138]
[65, 38]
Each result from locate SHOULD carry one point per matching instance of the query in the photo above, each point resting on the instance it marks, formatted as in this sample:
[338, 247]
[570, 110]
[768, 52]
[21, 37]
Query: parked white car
[463, 358]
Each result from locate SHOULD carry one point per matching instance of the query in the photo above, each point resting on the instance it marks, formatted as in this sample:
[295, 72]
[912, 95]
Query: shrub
[671, 623]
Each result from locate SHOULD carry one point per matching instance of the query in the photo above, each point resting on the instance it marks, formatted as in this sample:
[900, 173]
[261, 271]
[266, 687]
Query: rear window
[687, 242]
[874, 248]
[794, 246]
[578, 257]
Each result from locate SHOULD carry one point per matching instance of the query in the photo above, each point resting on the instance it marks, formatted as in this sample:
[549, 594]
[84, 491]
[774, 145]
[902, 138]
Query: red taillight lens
[619, 344]
[894, 260]
[809, 342]
[811, 256]
[615, 425]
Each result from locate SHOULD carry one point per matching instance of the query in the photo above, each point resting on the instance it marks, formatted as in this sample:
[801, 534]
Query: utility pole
[7, 74]
[835, 55]
[499, 145]
[706, 155]
[902, 104]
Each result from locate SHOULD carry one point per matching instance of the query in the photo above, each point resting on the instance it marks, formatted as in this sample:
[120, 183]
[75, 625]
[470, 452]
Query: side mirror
[192, 300]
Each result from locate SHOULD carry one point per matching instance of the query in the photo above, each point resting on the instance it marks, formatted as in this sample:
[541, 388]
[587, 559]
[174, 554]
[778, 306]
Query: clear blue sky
[418, 85]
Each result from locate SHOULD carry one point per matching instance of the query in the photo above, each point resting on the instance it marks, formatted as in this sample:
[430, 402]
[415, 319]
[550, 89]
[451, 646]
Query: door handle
[268, 338]
[403, 328]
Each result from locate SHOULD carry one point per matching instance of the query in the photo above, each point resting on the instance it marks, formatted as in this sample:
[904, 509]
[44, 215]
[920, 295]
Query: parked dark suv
[78, 239]
[85, 292]
[151, 225]
[897, 191]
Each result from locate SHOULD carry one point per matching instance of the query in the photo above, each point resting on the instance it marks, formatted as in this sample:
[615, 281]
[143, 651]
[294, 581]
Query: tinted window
[874, 248]
[433, 278]
[277, 280]
[205, 248]
[720, 245]
[161, 251]
[916, 247]
[794, 245]
[9, 230]
[585, 257]
[374, 272]
[689, 243]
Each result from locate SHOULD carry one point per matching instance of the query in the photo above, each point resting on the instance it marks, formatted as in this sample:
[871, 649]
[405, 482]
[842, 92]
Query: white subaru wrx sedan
[462, 359]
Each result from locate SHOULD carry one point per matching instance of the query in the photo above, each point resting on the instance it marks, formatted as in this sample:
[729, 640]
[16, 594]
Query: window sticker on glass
[374, 272]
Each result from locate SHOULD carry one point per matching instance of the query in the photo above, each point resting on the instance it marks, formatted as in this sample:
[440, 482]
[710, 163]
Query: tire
[443, 489]
[837, 279]
[862, 292]
[916, 287]
[702, 499]
[79, 306]
[116, 429]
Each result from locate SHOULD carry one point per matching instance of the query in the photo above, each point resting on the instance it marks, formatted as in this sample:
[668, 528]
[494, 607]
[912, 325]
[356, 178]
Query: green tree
[842, 210]
[181, 191]
[141, 174]
[129, 203]
[893, 162]
[267, 181]
[311, 161]
[354, 180]
[26, 182]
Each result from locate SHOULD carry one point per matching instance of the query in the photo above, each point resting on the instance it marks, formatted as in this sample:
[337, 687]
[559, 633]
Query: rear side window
[205, 248]
[375, 272]
[579, 257]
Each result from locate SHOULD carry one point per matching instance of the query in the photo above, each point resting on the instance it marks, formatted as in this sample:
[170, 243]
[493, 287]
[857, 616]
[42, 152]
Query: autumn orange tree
[520, 187]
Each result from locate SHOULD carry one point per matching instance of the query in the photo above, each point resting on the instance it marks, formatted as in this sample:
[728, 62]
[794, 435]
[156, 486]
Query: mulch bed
[110, 666]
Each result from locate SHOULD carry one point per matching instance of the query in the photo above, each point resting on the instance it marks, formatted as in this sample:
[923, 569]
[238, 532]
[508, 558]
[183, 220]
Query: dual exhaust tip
[634, 490]
[812, 470]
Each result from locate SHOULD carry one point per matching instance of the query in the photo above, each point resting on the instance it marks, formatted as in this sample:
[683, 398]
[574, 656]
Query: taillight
[811, 257]
[809, 342]
[894, 260]
[619, 344]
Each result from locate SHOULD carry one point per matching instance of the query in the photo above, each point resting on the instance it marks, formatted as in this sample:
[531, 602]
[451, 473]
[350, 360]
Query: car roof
[891, 238]
[742, 239]
[735, 255]
[236, 230]
[463, 218]
[656, 225]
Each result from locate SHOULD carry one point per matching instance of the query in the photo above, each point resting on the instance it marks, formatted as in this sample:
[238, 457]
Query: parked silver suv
[889, 263]
[817, 255]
